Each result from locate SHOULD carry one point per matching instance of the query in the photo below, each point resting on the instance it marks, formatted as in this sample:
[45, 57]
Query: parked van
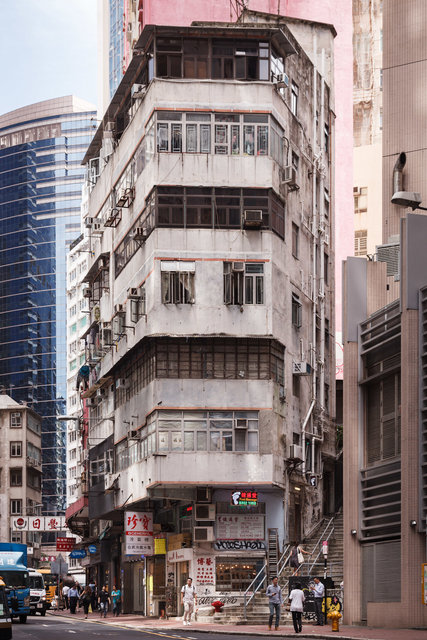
[38, 601]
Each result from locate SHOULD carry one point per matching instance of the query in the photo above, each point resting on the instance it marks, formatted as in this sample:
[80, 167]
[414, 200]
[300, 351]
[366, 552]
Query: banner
[39, 523]
[139, 533]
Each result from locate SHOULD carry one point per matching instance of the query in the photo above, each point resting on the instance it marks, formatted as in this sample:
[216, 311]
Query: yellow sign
[159, 546]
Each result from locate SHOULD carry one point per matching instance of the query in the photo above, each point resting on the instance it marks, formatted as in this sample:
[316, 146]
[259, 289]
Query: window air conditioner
[301, 369]
[101, 393]
[104, 263]
[203, 494]
[92, 402]
[241, 423]
[238, 267]
[295, 452]
[203, 534]
[87, 291]
[140, 234]
[205, 512]
[289, 176]
[88, 223]
[113, 218]
[138, 91]
[282, 79]
[252, 218]
[119, 309]
[121, 383]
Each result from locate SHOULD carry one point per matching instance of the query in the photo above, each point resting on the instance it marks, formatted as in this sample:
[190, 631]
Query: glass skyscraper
[41, 148]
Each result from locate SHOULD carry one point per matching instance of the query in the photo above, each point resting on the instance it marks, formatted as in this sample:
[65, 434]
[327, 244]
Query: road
[51, 628]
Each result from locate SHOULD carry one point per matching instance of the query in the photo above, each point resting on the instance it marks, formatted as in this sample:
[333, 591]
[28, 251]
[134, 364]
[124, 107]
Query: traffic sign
[78, 553]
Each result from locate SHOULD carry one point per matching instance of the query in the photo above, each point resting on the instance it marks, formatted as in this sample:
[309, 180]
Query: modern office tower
[385, 432]
[41, 149]
[20, 472]
[367, 125]
[209, 380]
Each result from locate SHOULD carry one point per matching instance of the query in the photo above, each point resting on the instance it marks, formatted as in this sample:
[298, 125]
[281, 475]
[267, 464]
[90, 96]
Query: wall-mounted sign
[240, 545]
[78, 553]
[205, 571]
[139, 533]
[39, 523]
[244, 498]
[65, 544]
[240, 527]
[92, 548]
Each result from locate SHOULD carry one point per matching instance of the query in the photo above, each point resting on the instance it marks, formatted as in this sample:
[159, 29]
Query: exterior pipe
[398, 172]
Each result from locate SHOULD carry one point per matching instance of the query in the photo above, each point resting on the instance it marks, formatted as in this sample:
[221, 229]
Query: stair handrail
[247, 600]
[283, 560]
[325, 535]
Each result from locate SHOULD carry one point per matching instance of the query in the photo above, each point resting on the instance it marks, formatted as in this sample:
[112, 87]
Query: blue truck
[14, 573]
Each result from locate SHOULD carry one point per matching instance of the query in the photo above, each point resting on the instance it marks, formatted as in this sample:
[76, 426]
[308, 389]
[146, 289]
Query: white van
[38, 602]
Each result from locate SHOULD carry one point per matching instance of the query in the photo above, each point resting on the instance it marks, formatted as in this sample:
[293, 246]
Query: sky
[48, 49]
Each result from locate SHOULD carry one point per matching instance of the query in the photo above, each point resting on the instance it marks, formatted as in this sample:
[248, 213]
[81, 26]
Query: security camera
[407, 199]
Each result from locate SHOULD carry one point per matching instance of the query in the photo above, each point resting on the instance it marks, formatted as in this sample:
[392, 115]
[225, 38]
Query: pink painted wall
[338, 13]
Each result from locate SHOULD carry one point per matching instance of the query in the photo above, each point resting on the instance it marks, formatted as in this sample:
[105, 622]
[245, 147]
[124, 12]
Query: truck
[14, 573]
[38, 600]
[5, 619]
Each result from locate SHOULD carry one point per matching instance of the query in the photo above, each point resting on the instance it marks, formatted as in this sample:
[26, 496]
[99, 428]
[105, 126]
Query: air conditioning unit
[133, 434]
[92, 402]
[241, 423]
[121, 383]
[119, 309]
[104, 263]
[203, 534]
[101, 393]
[88, 223]
[109, 126]
[289, 176]
[238, 267]
[205, 512]
[113, 218]
[301, 369]
[125, 197]
[140, 234]
[203, 494]
[134, 293]
[97, 228]
[282, 80]
[295, 452]
[252, 218]
[86, 291]
[138, 91]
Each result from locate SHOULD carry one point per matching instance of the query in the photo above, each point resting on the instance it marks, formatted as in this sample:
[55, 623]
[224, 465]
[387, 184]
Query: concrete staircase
[258, 611]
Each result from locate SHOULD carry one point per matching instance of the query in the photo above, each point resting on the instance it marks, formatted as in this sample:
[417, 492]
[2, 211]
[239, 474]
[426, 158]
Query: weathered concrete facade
[211, 309]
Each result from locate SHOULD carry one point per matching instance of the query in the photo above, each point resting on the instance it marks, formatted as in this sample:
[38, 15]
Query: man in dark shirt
[104, 601]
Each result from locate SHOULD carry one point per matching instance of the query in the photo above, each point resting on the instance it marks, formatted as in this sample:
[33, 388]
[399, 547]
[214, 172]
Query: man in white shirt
[65, 590]
[319, 591]
[188, 599]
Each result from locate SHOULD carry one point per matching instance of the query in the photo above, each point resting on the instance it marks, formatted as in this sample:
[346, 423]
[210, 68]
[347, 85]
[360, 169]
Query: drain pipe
[398, 172]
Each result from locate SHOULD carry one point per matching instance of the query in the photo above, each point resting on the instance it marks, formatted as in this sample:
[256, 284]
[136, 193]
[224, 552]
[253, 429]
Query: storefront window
[236, 574]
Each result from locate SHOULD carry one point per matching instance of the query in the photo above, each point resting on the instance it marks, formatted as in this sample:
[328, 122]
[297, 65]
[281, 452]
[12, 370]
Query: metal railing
[283, 560]
[247, 598]
[325, 535]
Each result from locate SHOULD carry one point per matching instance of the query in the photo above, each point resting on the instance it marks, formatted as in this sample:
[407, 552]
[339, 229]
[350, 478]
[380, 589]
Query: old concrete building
[210, 395]
[20, 470]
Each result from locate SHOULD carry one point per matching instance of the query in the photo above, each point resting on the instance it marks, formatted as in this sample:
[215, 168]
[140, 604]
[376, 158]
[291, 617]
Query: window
[138, 307]
[15, 507]
[296, 311]
[295, 161]
[15, 420]
[382, 401]
[361, 242]
[360, 196]
[177, 282]
[326, 268]
[34, 453]
[296, 389]
[326, 137]
[16, 449]
[243, 283]
[236, 574]
[16, 536]
[294, 98]
[16, 477]
[295, 240]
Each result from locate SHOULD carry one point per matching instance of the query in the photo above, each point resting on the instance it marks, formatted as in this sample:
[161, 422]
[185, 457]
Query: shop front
[178, 570]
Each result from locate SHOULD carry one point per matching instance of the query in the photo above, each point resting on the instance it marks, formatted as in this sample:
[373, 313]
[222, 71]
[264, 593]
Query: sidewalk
[132, 621]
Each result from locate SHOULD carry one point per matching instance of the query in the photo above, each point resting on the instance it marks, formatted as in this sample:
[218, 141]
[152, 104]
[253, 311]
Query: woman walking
[297, 558]
[297, 599]
[116, 599]
[85, 600]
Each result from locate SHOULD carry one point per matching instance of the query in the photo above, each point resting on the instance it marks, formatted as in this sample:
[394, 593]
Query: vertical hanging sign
[139, 533]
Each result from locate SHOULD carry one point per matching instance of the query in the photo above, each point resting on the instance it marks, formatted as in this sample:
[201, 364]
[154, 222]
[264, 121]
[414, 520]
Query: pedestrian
[319, 591]
[297, 599]
[297, 558]
[104, 601]
[275, 599]
[85, 600]
[188, 599]
[116, 599]
[65, 590]
[94, 595]
[73, 598]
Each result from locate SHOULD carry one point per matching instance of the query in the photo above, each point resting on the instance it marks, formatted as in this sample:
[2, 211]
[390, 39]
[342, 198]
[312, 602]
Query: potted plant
[217, 605]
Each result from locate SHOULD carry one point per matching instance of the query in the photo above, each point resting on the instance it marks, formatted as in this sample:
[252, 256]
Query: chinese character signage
[205, 571]
[38, 523]
[139, 533]
[244, 498]
[65, 544]
[240, 527]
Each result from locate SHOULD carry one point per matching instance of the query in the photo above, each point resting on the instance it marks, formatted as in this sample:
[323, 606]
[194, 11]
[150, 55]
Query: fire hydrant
[335, 617]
